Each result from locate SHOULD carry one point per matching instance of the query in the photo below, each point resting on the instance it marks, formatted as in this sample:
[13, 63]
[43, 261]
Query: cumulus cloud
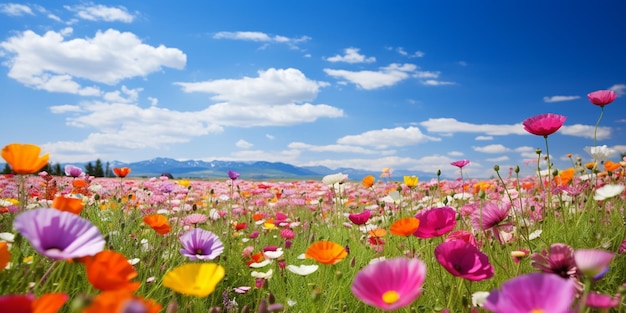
[15, 9]
[351, 55]
[485, 138]
[560, 98]
[53, 63]
[384, 138]
[99, 12]
[451, 125]
[496, 148]
[384, 77]
[335, 148]
[243, 144]
[619, 89]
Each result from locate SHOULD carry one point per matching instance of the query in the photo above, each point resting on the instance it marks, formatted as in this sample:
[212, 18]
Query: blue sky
[409, 85]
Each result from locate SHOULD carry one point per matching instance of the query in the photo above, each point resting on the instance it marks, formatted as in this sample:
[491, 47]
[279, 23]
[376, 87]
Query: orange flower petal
[24, 158]
[110, 270]
[5, 255]
[68, 204]
[49, 303]
[405, 226]
[326, 252]
[158, 222]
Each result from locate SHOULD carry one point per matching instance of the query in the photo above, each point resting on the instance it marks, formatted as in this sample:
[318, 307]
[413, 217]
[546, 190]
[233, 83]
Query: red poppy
[109, 270]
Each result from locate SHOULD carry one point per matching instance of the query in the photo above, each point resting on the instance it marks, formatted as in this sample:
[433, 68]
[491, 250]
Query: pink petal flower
[544, 124]
[602, 97]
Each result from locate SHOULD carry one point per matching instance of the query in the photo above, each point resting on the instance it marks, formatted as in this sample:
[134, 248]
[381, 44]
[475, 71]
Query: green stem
[595, 131]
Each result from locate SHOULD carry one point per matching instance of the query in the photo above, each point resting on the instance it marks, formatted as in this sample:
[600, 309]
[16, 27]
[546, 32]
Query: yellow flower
[196, 279]
[184, 182]
[24, 158]
[411, 181]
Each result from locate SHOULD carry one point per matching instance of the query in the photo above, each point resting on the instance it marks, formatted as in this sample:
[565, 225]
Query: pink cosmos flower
[462, 259]
[592, 262]
[390, 284]
[601, 301]
[602, 97]
[544, 124]
[463, 235]
[460, 163]
[435, 222]
[535, 292]
[360, 218]
[489, 216]
[559, 260]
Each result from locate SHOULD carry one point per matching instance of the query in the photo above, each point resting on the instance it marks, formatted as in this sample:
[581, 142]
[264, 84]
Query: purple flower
[73, 171]
[560, 261]
[59, 235]
[200, 244]
[233, 175]
[460, 163]
[544, 124]
[535, 292]
[462, 259]
[390, 284]
[435, 222]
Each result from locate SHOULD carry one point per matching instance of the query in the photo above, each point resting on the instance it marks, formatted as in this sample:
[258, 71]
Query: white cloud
[276, 97]
[58, 109]
[50, 62]
[619, 89]
[434, 82]
[269, 136]
[332, 148]
[386, 76]
[456, 153]
[499, 159]
[451, 125]
[351, 55]
[483, 138]
[585, 131]
[560, 98]
[496, 148]
[381, 139]
[243, 144]
[15, 9]
[93, 12]
[125, 95]
[259, 37]
[270, 87]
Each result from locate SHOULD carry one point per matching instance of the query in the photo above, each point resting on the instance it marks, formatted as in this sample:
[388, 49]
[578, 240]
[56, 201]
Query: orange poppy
[564, 176]
[611, 166]
[377, 232]
[120, 301]
[49, 303]
[405, 226]
[109, 270]
[68, 204]
[326, 252]
[5, 255]
[24, 158]
[257, 216]
[590, 165]
[368, 181]
[121, 172]
[158, 222]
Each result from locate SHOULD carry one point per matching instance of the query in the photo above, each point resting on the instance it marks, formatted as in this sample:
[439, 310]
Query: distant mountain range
[249, 170]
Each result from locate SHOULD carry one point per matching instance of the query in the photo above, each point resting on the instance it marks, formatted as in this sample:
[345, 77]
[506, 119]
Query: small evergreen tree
[7, 169]
[89, 169]
[57, 171]
[98, 170]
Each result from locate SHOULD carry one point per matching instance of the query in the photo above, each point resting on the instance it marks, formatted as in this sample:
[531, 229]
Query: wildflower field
[551, 242]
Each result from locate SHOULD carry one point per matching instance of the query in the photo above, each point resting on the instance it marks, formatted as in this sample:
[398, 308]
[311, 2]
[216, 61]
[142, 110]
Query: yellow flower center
[536, 311]
[391, 297]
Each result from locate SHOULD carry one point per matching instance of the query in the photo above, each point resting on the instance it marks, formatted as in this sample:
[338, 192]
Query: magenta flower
[592, 262]
[489, 216]
[601, 301]
[602, 97]
[462, 259]
[73, 171]
[233, 175]
[200, 244]
[544, 124]
[535, 292]
[462, 235]
[559, 260]
[390, 284]
[360, 218]
[59, 235]
[435, 222]
[460, 163]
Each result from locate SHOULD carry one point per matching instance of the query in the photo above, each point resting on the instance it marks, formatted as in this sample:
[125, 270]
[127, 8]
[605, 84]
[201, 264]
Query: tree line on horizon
[96, 169]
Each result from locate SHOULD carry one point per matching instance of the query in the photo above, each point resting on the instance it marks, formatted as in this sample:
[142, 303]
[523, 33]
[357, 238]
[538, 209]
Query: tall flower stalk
[600, 98]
